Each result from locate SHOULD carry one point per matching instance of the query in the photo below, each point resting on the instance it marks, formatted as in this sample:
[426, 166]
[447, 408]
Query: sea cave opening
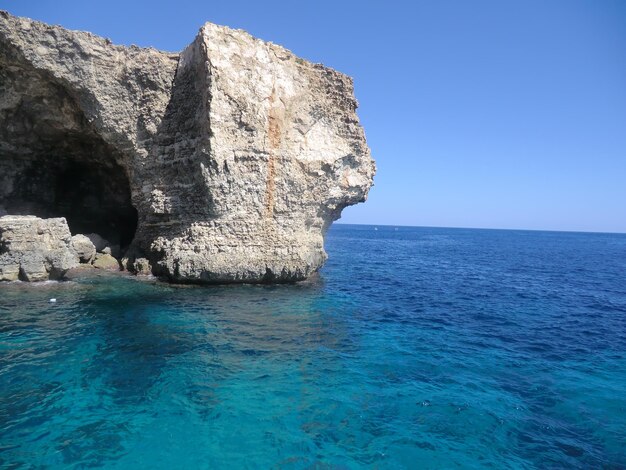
[94, 198]
[53, 163]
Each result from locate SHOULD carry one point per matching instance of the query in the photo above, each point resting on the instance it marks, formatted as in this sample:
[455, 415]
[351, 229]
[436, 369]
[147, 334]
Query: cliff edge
[224, 163]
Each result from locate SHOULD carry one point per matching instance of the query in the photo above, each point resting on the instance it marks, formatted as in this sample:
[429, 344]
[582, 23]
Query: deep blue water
[416, 348]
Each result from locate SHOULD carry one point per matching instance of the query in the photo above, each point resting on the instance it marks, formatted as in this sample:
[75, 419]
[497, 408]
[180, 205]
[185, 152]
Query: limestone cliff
[224, 163]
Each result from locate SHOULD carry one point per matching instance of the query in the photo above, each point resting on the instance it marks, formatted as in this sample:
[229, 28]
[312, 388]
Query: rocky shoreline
[34, 249]
[224, 163]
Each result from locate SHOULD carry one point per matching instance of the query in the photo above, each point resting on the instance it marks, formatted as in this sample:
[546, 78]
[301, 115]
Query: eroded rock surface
[34, 249]
[84, 248]
[224, 163]
[106, 261]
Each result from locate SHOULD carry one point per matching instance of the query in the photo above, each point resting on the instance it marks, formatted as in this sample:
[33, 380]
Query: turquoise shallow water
[416, 348]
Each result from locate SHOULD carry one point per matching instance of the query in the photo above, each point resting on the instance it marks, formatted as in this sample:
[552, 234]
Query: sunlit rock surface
[34, 249]
[224, 163]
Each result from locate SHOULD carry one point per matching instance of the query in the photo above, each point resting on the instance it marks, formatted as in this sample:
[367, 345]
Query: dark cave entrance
[94, 198]
[53, 161]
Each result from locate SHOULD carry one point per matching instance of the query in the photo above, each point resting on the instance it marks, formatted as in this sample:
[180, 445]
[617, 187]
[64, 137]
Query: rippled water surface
[416, 348]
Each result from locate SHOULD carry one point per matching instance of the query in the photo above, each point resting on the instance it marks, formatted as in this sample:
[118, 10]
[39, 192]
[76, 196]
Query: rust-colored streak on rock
[274, 136]
[270, 186]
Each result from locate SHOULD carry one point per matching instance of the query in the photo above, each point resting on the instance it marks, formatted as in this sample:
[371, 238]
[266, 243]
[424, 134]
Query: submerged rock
[224, 163]
[34, 249]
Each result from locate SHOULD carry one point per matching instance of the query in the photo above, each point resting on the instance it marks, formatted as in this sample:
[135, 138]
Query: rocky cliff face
[224, 163]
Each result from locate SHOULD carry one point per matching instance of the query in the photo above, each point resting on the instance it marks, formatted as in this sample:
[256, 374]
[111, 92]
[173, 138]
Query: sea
[426, 348]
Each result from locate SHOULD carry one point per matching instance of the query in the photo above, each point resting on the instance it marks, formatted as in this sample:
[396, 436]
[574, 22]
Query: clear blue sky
[503, 114]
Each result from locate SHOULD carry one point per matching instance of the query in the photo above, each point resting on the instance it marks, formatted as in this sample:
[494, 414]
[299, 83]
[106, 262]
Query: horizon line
[486, 228]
